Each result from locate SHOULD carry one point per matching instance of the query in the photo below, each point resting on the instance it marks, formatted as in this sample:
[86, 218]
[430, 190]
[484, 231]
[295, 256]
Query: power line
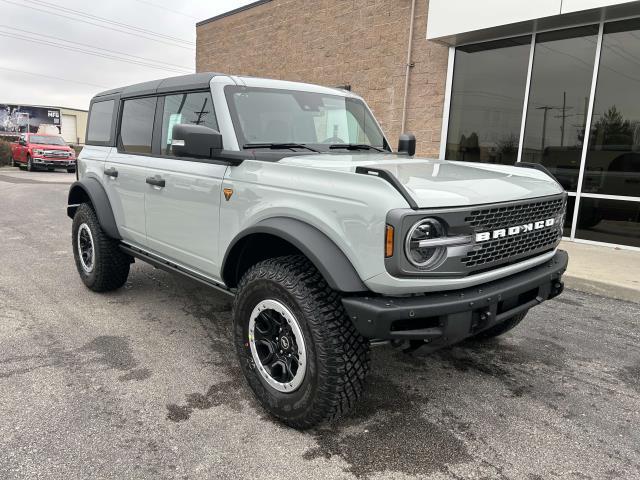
[51, 76]
[167, 9]
[38, 34]
[96, 24]
[87, 52]
[109, 21]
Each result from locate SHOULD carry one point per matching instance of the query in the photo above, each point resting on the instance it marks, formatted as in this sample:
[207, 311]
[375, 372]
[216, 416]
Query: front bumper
[58, 162]
[445, 318]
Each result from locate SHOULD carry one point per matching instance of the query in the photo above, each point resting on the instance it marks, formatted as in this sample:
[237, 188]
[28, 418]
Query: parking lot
[143, 383]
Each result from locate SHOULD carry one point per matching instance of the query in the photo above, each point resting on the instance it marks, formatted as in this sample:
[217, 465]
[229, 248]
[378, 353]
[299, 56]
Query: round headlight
[417, 248]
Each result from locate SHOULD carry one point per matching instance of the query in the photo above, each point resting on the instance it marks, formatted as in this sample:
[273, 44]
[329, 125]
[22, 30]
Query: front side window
[263, 115]
[100, 121]
[190, 108]
[136, 127]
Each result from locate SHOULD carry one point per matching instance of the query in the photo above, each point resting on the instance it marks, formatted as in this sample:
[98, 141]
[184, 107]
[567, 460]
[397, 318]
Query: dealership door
[69, 128]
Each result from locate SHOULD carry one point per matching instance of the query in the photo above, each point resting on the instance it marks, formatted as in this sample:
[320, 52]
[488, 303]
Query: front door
[183, 196]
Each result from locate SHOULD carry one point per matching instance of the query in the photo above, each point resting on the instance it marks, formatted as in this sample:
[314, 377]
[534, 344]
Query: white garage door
[69, 128]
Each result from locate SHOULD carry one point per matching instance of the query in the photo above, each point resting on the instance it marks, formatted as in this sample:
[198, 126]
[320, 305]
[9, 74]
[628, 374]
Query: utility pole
[544, 124]
[564, 117]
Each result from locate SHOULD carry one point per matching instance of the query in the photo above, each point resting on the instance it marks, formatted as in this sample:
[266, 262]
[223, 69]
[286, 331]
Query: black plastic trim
[330, 261]
[457, 314]
[390, 178]
[100, 201]
[172, 267]
[539, 167]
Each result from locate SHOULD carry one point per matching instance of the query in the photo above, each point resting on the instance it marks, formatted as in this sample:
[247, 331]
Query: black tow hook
[556, 289]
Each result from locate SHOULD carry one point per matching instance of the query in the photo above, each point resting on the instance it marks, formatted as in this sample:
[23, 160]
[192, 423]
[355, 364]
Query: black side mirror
[407, 144]
[22, 142]
[195, 141]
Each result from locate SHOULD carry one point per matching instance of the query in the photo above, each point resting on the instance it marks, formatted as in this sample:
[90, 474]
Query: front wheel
[299, 351]
[100, 262]
[29, 164]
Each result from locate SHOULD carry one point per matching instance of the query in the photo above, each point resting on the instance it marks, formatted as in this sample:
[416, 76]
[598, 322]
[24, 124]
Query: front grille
[501, 250]
[56, 154]
[511, 215]
[494, 251]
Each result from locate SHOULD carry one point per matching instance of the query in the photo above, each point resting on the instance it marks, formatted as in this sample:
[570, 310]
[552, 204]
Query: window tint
[486, 101]
[136, 127]
[610, 221]
[264, 115]
[558, 101]
[100, 120]
[190, 108]
[613, 158]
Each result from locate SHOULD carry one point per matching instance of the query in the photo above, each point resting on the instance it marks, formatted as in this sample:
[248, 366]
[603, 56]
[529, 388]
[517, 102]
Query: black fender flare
[93, 190]
[325, 255]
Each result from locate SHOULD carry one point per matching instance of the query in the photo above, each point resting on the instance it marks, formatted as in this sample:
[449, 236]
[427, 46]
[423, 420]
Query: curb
[603, 289]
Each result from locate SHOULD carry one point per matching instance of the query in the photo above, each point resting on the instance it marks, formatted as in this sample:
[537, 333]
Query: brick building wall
[362, 43]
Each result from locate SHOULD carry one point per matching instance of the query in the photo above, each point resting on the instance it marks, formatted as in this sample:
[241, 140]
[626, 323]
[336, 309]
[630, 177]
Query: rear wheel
[100, 262]
[502, 328]
[298, 350]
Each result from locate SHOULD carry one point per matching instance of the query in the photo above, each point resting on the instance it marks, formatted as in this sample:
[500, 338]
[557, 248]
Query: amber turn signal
[388, 242]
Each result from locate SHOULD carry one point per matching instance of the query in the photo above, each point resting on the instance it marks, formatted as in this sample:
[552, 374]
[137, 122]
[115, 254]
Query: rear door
[126, 168]
[183, 198]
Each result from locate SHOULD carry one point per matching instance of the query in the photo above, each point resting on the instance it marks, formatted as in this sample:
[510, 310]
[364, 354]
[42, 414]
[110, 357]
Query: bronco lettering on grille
[515, 230]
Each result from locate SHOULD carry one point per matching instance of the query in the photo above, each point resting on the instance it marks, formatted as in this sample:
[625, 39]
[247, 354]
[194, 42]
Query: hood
[45, 146]
[442, 183]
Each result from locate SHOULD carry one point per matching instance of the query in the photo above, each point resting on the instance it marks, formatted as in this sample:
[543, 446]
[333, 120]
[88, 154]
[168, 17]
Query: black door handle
[111, 172]
[156, 181]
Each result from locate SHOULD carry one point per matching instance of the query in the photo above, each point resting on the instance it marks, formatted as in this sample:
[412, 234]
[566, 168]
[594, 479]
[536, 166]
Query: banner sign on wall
[17, 119]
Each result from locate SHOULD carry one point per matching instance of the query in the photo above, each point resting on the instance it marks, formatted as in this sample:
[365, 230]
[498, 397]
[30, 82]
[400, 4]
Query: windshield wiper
[356, 146]
[277, 146]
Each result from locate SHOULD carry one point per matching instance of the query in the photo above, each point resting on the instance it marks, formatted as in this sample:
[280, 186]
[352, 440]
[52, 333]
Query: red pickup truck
[33, 151]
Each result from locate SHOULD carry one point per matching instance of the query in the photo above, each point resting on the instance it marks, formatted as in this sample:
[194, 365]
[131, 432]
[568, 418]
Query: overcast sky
[62, 52]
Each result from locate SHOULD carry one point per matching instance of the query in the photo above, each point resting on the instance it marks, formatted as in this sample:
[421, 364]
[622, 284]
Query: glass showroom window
[558, 101]
[487, 97]
[613, 157]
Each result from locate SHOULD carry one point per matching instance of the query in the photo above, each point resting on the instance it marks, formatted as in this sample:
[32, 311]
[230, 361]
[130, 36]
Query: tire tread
[343, 354]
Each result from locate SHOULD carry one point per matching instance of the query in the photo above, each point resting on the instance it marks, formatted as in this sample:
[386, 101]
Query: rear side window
[194, 108]
[136, 127]
[100, 122]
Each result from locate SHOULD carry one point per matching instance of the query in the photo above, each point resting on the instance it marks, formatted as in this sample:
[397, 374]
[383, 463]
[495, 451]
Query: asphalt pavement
[143, 382]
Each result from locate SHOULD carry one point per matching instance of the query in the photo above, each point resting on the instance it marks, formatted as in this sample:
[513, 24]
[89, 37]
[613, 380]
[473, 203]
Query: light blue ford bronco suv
[289, 197]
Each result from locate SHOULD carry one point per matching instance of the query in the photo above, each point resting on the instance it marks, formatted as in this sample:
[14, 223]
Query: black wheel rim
[85, 248]
[277, 345]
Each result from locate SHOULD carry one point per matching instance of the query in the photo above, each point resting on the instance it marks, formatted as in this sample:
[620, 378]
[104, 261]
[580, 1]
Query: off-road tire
[110, 264]
[501, 328]
[337, 356]
[29, 164]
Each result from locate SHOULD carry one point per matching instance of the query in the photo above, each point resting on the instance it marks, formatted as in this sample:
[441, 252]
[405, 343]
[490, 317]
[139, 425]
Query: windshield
[274, 116]
[46, 140]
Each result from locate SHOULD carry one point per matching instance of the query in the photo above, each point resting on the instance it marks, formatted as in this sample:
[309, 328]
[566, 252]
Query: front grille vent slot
[502, 250]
